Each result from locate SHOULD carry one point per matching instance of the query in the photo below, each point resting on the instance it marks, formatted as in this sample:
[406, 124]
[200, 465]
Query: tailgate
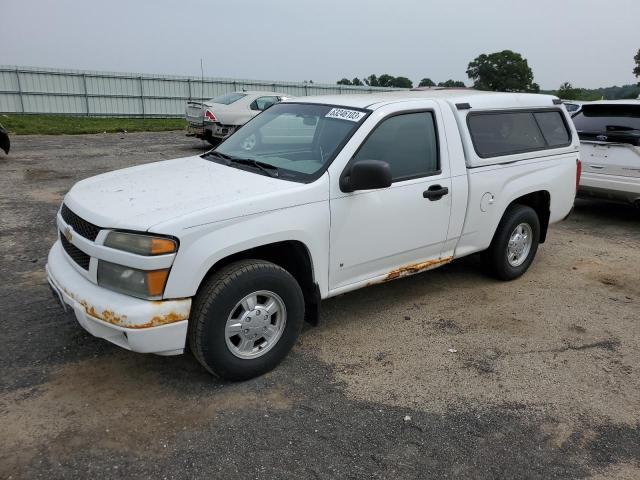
[610, 158]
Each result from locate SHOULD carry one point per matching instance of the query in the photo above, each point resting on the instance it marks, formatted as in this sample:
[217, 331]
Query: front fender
[204, 246]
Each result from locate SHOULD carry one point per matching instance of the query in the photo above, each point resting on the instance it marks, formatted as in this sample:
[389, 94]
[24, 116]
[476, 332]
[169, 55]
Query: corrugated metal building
[32, 90]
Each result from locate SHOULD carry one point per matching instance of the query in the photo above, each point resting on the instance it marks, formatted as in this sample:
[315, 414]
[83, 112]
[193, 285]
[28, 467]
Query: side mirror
[366, 175]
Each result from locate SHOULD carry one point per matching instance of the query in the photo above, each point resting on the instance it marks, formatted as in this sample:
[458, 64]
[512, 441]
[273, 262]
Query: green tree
[385, 80]
[356, 81]
[344, 81]
[401, 82]
[452, 84]
[372, 81]
[427, 82]
[567, 92]
[504, 71]
[636, 71]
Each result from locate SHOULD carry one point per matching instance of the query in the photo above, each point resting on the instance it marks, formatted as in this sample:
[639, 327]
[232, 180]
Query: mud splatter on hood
[139, 197]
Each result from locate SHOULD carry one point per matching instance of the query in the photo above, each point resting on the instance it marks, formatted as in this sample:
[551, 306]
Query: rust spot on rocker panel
[414, 268]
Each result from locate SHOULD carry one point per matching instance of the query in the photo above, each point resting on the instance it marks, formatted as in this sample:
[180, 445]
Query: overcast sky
[590, 43]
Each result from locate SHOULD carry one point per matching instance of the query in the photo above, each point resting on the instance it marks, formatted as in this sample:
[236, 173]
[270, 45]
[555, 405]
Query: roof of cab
[475, 98]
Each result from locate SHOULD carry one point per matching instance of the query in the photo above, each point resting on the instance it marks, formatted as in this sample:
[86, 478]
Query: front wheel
[514, 244]
[245, 319]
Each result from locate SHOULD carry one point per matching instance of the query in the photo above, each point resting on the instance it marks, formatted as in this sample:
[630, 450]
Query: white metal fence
[32, 90]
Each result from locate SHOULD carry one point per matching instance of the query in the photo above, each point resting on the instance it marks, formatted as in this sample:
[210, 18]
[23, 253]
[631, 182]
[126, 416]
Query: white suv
[610, 149]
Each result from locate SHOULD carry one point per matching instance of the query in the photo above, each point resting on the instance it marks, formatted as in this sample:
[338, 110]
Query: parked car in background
[5, 143]
[609, 133]
[216, 119]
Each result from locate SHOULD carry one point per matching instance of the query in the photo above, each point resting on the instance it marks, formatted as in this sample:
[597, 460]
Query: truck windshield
[298, 140]
[610, 123]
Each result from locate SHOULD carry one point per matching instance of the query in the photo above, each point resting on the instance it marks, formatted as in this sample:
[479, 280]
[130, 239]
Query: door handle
[435, 192]
[596, 167]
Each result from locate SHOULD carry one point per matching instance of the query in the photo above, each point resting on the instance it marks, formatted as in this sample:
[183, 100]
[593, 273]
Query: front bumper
[143, 326]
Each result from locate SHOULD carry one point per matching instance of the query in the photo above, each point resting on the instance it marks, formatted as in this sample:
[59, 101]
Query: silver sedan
[216, 119]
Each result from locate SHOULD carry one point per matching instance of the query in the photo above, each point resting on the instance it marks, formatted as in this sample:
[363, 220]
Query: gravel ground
[544, 384]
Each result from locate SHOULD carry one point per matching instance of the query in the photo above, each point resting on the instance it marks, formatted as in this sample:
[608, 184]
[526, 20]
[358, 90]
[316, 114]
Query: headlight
[131, 281]
[140, 244]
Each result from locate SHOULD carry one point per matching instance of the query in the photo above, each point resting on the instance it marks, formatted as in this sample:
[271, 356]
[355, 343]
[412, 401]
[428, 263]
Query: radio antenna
[204, 149]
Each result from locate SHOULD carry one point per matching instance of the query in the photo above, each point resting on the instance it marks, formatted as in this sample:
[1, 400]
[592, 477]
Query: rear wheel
[245, 319]
[514, 244]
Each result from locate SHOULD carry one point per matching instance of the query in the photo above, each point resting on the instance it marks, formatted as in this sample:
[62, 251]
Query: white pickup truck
[230, 251]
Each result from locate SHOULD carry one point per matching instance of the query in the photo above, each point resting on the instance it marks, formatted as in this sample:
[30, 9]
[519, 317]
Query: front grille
[75, 253]
[79, 225]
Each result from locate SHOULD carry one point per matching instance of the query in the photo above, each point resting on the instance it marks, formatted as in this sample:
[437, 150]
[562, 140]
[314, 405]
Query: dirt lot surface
[545, 382]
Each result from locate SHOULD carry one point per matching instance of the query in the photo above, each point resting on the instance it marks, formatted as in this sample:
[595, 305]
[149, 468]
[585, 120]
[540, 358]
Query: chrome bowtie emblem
[67, 234]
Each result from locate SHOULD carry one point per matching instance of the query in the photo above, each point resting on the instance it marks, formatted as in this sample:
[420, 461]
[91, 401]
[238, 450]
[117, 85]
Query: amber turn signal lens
[140, 244]
[156, 281]
[162, 245]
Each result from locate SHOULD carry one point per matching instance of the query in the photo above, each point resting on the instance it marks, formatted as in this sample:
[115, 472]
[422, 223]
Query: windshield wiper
[620, 128]
[213, 153]
[627, 132]
[266, 168]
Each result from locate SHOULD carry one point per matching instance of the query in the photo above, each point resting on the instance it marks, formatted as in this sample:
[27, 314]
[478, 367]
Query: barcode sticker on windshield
[344, 114]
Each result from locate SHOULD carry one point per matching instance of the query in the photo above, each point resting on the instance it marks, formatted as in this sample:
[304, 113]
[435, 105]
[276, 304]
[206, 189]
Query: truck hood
[192, 188]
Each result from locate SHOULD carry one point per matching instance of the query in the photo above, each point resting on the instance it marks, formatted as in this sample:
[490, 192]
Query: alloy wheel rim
[519, 245]
[255, 324]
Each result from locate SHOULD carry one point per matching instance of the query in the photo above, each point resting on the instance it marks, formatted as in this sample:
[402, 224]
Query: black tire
[496, 257]
[214, 303]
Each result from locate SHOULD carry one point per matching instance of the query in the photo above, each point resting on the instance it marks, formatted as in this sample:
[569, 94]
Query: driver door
[377, 232]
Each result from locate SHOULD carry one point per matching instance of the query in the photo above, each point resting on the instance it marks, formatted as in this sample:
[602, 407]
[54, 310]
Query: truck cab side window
[407, 142]
[506, 133]
[553, 128]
